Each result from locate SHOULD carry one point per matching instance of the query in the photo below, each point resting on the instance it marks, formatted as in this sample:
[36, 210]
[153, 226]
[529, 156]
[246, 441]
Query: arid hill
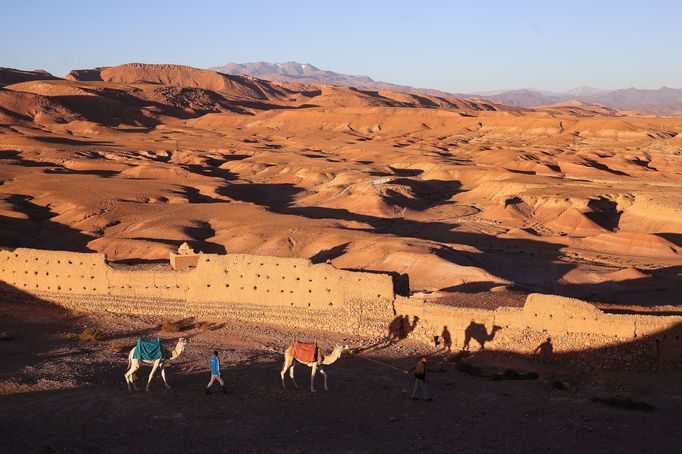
[10, 76]
[463, 196]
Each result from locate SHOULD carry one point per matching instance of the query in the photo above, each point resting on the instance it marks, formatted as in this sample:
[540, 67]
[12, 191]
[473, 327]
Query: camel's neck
[333, 356]
[177, 351]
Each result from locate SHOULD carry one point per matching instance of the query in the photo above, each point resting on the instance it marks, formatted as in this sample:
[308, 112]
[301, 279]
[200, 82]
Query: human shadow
[545, 350]
[447, 339]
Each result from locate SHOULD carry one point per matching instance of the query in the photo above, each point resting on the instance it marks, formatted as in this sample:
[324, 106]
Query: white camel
[320, 361]
[134, 364]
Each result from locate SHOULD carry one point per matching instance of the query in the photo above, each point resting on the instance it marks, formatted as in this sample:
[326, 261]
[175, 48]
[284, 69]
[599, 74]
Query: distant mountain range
[306, 73]
[661, 101]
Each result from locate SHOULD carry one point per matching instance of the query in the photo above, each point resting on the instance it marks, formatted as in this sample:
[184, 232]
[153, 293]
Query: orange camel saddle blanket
[306, 351]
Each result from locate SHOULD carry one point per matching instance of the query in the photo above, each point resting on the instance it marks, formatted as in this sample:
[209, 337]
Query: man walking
[215, 374]
[419, 379]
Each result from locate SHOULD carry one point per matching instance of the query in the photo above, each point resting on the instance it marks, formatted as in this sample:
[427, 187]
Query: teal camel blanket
[148, 349]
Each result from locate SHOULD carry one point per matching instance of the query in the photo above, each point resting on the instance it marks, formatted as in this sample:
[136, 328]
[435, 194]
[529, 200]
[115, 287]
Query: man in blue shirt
[215, 374]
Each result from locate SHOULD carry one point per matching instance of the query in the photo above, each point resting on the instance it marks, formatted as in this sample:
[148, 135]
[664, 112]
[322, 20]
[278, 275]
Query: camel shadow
[400, 327]
[479, 333]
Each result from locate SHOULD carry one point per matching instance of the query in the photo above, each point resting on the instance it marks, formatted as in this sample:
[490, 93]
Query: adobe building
[184, 258]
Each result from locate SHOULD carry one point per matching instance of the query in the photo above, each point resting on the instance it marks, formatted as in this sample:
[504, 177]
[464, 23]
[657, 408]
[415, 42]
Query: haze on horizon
[455, 47]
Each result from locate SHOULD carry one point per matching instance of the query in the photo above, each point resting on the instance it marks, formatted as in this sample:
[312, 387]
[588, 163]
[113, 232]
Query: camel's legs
[127, 380]
[151, 374]
[291, 374]
[163, 375]
[313, 372]
[324, 374]
[129, 376]
[288, 362]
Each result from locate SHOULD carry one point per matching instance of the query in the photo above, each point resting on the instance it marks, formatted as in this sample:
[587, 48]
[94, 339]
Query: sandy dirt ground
[59, 395]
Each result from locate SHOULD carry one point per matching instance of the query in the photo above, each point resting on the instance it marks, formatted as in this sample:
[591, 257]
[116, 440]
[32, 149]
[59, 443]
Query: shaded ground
[59, 395]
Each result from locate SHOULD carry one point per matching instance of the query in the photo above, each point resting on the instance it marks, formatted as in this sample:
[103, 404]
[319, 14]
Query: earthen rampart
[295, 292]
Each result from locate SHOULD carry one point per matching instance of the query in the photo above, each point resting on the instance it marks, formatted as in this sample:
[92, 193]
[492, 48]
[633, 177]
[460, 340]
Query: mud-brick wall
[118, 304]
[58, 272]
[148, 284]
[575, 327]
[284, 282]
[291, 292]
[286, 291]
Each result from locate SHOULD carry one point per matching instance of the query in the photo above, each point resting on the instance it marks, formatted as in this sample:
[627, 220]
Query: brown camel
[311, 356]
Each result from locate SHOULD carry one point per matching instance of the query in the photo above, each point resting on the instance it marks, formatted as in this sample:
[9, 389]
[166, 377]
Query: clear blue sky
[459, 46]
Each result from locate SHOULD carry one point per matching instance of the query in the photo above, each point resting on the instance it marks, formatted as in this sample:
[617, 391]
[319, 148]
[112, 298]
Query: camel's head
[184, 341]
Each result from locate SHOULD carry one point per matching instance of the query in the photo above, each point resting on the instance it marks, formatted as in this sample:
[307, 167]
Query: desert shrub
[169, 326]
[5, 336]
[207, 326]
[90, 335]
[624, 403]
[68, 336]
[203, 326]
[117, 344]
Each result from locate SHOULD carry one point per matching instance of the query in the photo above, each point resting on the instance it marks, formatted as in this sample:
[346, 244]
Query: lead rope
[380, 363]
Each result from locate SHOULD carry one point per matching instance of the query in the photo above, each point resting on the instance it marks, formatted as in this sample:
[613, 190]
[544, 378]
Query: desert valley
[453, 210]
[133, 160]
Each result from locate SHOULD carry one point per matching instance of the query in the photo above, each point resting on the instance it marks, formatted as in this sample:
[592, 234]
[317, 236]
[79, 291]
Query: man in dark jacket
[420, 379]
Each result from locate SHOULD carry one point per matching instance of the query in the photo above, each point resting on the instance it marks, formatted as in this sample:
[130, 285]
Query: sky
[455, 46]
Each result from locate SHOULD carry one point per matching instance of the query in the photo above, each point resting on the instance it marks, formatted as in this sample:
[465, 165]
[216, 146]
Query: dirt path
[58, 395]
